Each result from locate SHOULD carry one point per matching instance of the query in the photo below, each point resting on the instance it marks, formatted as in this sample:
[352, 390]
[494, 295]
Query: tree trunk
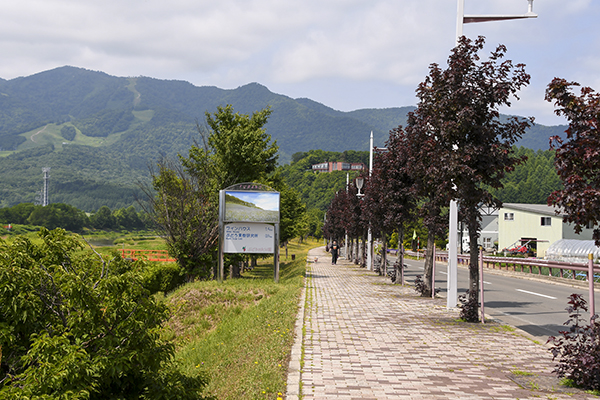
[400, 264]
[235, 269]
[429, 260]
[363, 261]
[473, 262]
[383, 254]
[286, 249]
[350, 249]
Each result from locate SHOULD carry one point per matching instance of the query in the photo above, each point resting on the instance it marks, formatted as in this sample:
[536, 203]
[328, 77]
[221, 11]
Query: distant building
[330, 166]
[536, 226]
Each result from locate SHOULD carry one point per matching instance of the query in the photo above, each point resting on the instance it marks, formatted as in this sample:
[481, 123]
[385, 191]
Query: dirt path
[37, 133]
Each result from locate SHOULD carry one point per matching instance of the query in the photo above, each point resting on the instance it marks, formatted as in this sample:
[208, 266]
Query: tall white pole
[346, 238]
[460, 15]
[453, 223]
[369, 236]
[452, 295]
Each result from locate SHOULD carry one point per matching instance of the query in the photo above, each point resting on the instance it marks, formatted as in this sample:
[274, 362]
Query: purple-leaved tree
[577, 159]
[459, 144]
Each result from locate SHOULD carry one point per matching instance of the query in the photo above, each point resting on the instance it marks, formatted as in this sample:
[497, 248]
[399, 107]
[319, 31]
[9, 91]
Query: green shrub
[76, 326]
[162, 277]
[578, 347]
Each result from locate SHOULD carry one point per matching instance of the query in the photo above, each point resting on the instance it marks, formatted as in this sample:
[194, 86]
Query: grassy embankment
[240, 333]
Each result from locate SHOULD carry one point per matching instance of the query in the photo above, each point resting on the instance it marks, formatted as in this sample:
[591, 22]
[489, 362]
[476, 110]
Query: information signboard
[252, 238]
[249, 222]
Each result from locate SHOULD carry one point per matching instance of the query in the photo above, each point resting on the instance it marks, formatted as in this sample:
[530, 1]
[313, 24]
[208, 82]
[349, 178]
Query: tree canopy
[184, 199]
[457, 120]
[577, 157]
[242, 151]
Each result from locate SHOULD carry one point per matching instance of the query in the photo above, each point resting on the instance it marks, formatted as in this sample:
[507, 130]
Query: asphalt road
[535, 306]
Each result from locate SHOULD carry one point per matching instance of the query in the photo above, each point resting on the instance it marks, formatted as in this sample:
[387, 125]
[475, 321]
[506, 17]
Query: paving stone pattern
[368, 339]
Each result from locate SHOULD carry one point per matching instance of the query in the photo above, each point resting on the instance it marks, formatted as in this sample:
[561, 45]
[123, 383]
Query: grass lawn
[240, 333]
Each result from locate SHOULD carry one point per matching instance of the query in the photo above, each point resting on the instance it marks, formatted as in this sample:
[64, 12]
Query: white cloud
[346, 53]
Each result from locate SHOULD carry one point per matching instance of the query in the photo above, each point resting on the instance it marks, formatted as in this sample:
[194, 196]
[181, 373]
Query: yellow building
[536, 226]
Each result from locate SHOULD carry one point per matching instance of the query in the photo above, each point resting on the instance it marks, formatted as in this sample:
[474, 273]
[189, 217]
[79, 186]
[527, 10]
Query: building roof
[533, 208]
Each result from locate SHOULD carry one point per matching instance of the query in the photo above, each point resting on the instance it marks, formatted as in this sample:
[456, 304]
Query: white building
[537, 225]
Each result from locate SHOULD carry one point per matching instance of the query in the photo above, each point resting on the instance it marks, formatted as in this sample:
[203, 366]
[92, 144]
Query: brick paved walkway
[368, 339]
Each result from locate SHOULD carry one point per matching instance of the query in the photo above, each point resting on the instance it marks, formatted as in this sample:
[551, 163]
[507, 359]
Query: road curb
[294, 367]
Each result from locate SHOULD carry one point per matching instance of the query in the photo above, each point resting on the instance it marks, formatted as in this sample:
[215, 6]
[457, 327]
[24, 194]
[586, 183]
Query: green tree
[78, 326]
[103, 219]
[183, 201]
[17, 214]
[68, 132]
[239, 146]
[184, 205]
[291, 215]
[58, 215]
[128, 218]
[315, 223]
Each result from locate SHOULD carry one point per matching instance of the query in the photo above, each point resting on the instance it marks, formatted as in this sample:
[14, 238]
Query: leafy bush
[469, 308]
[163, 277]
[76, 326]
[420, 285]
[578, 350]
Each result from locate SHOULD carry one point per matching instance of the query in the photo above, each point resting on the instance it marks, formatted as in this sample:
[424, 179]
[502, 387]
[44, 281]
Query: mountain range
[99, 133]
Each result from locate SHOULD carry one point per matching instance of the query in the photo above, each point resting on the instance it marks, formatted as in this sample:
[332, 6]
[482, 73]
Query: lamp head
[360, 181]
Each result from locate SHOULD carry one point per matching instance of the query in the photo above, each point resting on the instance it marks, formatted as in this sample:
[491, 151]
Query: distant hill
[99, 133]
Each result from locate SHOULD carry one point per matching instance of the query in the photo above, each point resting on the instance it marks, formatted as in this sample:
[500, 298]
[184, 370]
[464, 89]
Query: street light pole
[346, 238]
[461, 19]
[369, 235]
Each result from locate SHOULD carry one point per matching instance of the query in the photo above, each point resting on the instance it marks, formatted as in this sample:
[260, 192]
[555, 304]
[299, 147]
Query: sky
[346, 54]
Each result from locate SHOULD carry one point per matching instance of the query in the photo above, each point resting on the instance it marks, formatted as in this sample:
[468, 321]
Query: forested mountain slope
[99, 133]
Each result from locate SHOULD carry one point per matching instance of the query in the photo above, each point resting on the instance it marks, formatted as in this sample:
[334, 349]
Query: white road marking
[535, 294]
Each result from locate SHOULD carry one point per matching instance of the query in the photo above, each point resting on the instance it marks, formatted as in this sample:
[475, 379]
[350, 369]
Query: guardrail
[148, 255]
[526, 265]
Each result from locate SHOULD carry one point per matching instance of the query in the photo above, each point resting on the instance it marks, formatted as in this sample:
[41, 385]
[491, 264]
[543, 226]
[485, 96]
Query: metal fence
[148, 255]
[537, 266]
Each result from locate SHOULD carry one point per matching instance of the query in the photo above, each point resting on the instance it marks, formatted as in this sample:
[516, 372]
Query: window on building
[546, 221]
[590, 225]
[509, 216]
[487, 242]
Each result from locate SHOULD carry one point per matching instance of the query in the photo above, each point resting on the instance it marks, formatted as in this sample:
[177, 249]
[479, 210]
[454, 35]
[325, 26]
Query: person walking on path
[335, 252]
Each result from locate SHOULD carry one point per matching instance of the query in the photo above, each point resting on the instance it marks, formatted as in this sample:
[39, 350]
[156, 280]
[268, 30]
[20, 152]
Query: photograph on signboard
[252, 206]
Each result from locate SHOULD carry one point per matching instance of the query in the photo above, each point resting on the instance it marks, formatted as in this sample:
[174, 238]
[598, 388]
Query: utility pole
[46, 172]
